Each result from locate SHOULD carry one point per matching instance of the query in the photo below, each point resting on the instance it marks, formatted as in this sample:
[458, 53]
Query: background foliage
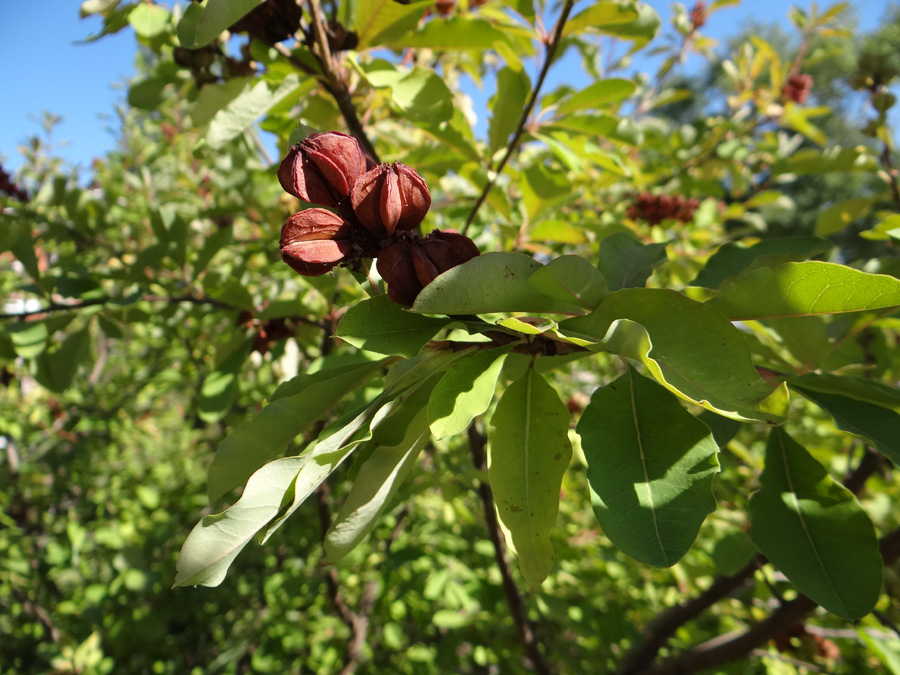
[147, 316]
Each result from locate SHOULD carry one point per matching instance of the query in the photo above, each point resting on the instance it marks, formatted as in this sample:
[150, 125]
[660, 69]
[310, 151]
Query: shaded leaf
[733, 258]
[241, 112]
[689, 348]
[814, 530]
[835, 218]
[258, 439]
[381, 325]
[626, 263]
[599, 93]
[513, 87]
[529, 451]
[650, 467]
[220, 387]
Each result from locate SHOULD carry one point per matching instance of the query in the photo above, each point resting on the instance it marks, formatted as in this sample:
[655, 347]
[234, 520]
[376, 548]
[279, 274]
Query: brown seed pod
[315, 241]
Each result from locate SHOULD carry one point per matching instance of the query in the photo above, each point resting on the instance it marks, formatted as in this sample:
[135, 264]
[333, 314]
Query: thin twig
[510, 590]
[56, 307]
[523, 120]
[727, 648]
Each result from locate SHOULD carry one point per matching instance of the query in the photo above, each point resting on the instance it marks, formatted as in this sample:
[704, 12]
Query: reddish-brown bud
[410, 265]
[322, 168]
[797, 88]
[698, 14]
[387, 198]
[314, 241]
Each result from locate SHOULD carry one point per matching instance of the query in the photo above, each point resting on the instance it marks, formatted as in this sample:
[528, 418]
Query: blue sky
[45, 69]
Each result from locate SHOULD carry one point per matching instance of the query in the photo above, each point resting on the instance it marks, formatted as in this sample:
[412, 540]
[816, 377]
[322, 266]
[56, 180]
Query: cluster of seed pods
[377, 210]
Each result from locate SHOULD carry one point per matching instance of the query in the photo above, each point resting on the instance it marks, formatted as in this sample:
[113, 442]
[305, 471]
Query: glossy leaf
[492, 282]
[456, 33]
[650, 467]
[814, 530]
[381, 325]
[241, 112]
[217, 16]
[382, 21]
[258, 439]
[529, 451]
[570, 278]
[805, 288]
[732, 258]
[600, 14]
[859, 407]
[626, 263]
[465, 392]
[689, 348]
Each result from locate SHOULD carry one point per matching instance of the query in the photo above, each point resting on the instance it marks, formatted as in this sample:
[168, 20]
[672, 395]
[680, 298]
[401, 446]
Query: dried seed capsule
[315, 241]
[387, 198]
[322, 168]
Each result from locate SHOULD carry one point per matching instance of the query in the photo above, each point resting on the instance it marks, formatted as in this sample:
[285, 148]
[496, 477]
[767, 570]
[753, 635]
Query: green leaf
[860, 407]
[376, 483]
[419, 92]
[457, 33]
[733, 258]
[465, 392]
[258, 440]
[650, 467]
[220, 387]
[240, 114]
[492, 282]
[641, 30]
[813, 162]
[383, 21]
[689, 348]
[214, 97]
[29, 338]
[570, 278]
[814, 530]
[217, 539]
[600, 93]
[600, 14]
[56, 370]
[626, 263]
[835, 218]
[513, 87]
[529, 451]
[147, 94]
[381, 325]
[805, 288]
[149, 20]
[217, 16]
[733, 552]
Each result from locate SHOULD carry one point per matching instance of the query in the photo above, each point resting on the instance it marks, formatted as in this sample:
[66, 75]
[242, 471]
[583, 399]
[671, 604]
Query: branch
[731, 647]
[56, 307]
[334, 83]
[523, 120]
[510, 590]
[661, 629]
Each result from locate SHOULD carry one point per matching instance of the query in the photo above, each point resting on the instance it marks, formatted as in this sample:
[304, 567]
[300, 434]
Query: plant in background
[627, 346]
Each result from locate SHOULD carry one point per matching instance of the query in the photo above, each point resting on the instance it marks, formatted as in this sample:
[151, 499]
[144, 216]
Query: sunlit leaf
[650, 467]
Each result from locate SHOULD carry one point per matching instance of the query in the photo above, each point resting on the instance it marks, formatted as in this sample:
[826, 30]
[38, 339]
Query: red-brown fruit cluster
[379, 207]
[657, 208]
[7, 186]
[797, 88]
[698, 14]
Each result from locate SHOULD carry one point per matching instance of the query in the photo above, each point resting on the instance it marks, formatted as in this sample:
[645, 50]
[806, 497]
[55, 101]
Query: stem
[513, 598]
[335, 85]
[661, 629]
[56, 307]
[523, 120]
